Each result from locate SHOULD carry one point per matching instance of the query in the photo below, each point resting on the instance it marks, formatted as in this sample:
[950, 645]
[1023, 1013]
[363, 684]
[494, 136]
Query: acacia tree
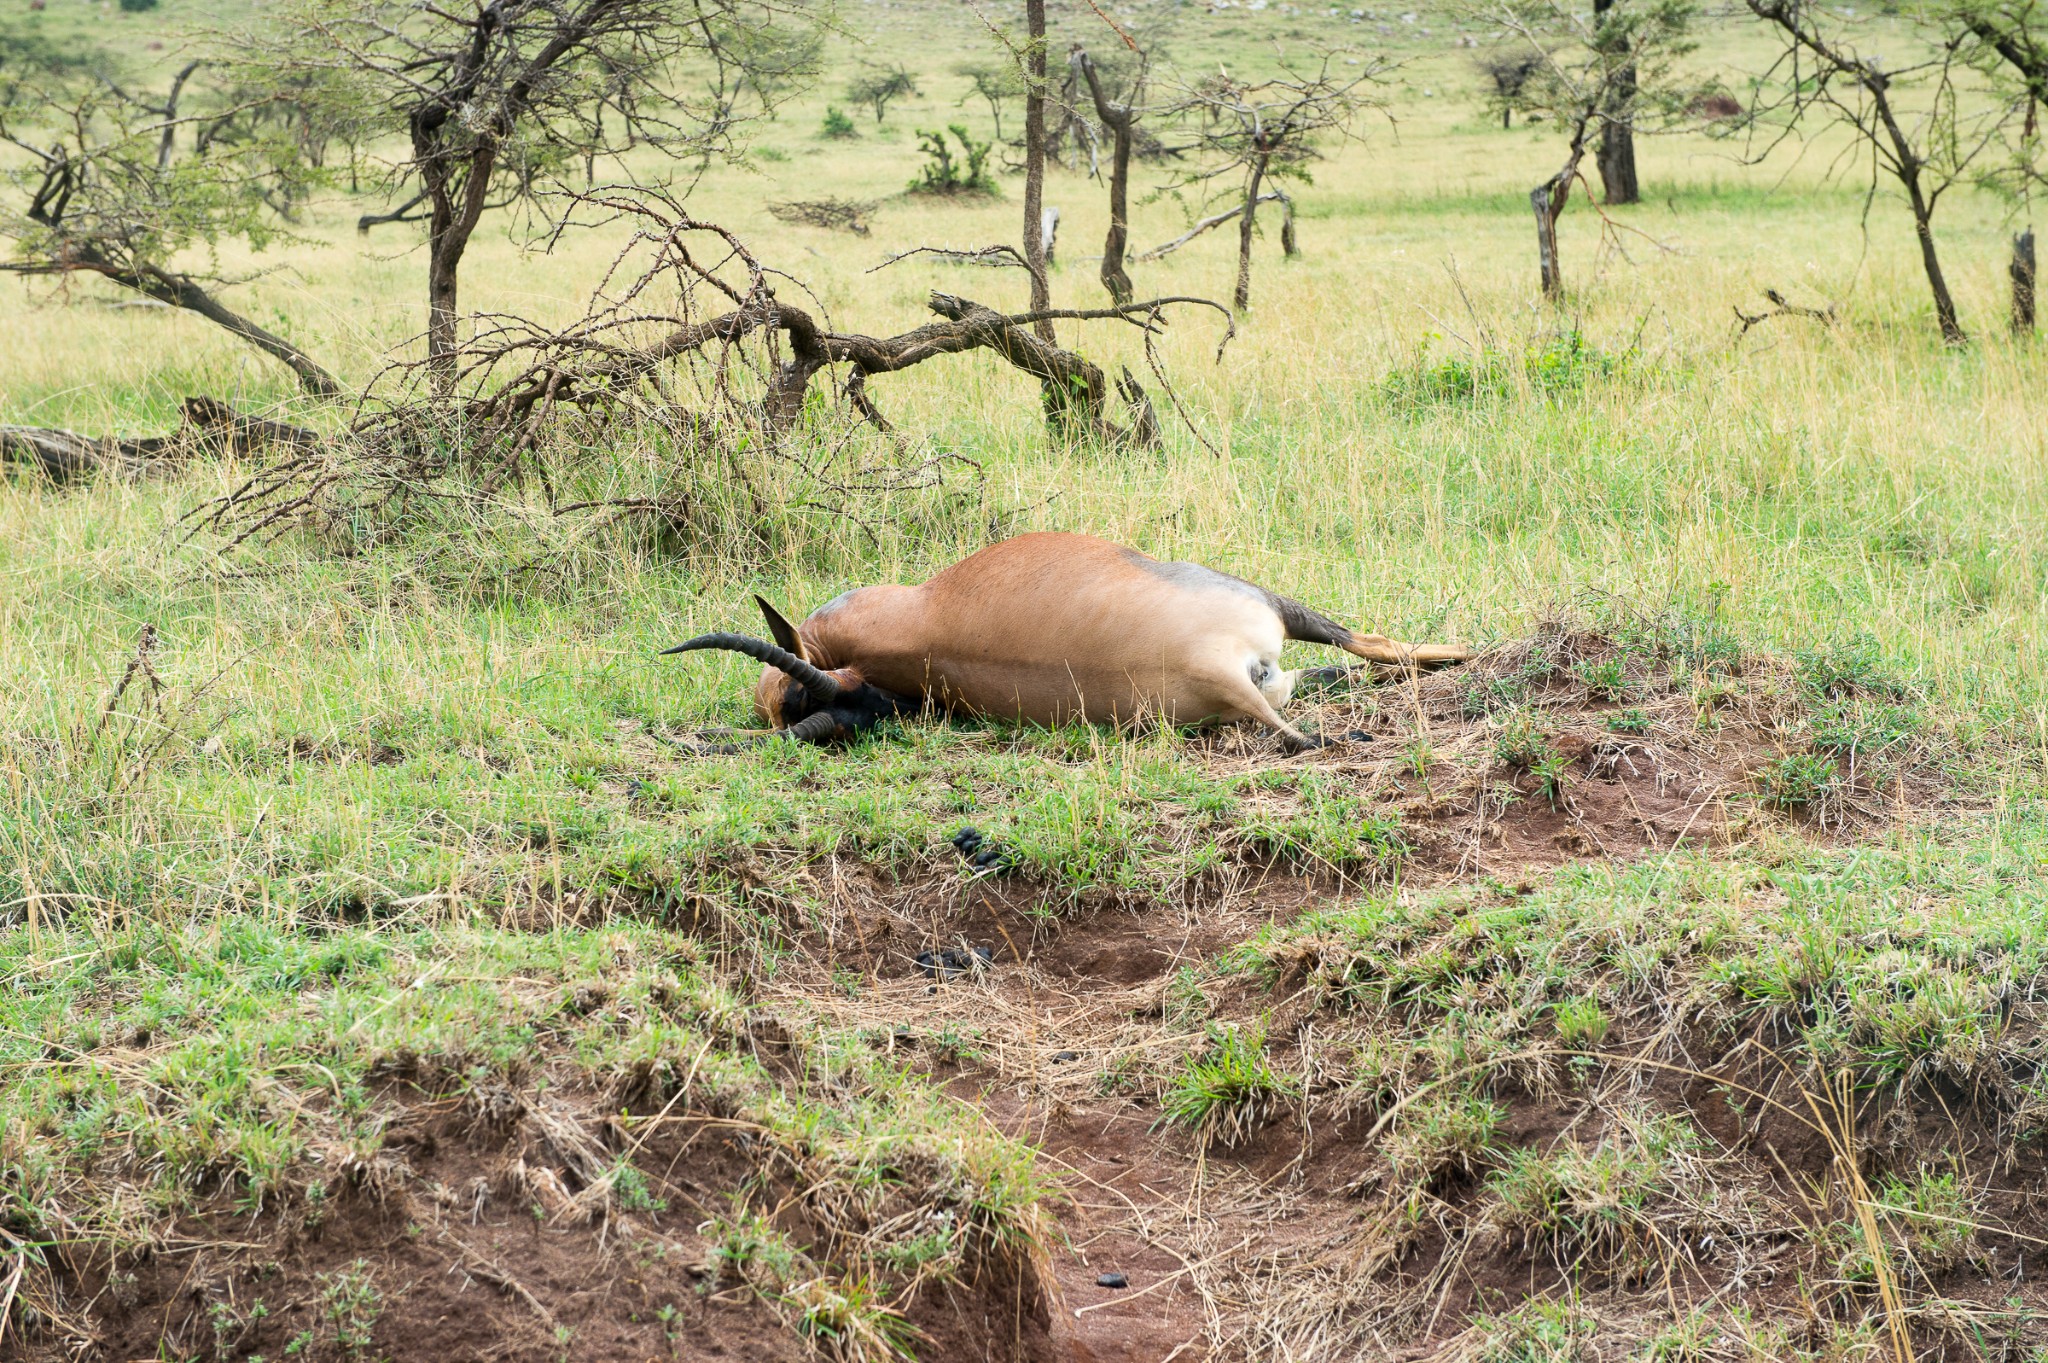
[1908, 114]
[1599, 76]
[997, 83]
[1253, 135]
[124, 183]
[495, 97]
[881, 87]
[1507, 73]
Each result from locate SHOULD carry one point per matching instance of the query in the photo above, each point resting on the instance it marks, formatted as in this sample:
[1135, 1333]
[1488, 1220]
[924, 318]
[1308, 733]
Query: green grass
[1228, 1090]
[407, 800]
[1597, 1200]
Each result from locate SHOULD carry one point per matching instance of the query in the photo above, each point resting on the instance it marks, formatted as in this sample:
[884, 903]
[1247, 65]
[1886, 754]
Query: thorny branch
[690, 336]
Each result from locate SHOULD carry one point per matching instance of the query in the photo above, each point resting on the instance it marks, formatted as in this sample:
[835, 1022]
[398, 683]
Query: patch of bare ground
[1681, 1179]
[1674, 1180]
[495, 1223]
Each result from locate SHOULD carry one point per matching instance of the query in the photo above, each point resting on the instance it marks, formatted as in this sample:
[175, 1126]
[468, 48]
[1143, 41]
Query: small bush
[1606, 680]
[1928, 1225]
[942, 173]
[1534, 1332]
[1696, 641]
[1442, 1137]
[1849, 667]
[1482, 696]
[1227, 1092]
[1457, 379]
[1599, 1200]
[1556, 365]
[849, 1320]
[753, 1249]
[1798, 781]
[1522, 744]
[1630, 721]
[1333, 831]
[350, 1306]
[137, 6]
[1860, 728]
[1564, 363]
[837, 124]
[1580, 1022]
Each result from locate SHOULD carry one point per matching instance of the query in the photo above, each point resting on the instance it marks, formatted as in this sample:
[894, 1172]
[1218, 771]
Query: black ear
[781, 629]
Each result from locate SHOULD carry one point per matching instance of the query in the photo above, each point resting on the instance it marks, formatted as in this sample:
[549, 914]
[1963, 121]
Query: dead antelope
[1047, 628]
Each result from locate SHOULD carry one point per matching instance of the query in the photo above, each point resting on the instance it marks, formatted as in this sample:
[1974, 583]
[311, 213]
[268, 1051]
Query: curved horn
[823, 689]
[813, 728]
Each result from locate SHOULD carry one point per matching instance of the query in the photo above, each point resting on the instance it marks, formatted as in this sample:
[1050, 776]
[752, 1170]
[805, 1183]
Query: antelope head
[796, 697]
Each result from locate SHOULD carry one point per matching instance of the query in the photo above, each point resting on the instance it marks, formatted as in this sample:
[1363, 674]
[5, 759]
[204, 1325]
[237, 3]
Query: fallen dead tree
[697, 354]
[209, 426]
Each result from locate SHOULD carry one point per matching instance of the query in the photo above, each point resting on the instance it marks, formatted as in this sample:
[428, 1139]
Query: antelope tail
[1314, 627]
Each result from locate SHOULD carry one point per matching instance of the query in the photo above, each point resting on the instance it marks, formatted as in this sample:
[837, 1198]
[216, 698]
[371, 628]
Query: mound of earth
[1429, 1070]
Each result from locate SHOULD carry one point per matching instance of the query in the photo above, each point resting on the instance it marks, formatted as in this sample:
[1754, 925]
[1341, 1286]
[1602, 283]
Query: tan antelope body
[1047, 628]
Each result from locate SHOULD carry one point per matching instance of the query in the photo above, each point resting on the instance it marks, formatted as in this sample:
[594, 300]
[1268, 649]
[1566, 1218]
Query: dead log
[1075, 391]
[209, 426]
[1079, 398]
[1784, 307]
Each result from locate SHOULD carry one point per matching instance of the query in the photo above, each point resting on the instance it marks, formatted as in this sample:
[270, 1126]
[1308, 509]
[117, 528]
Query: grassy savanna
[391, 839]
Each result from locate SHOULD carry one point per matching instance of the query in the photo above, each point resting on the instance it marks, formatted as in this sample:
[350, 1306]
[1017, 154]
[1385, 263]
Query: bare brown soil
[472, 1235]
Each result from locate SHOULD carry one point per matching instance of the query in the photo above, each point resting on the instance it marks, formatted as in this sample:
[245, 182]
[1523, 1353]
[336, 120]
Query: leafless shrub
[687, 393]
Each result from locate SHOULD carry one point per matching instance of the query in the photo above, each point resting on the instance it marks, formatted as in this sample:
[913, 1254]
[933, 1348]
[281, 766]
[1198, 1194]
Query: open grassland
[384, 977]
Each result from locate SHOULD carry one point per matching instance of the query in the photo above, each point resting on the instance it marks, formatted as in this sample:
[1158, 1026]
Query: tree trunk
[1114, 277]
[1241, 298]
[449, 227]
[1908, 163]
[1945, 316]
[1545, 201]
[1034, 163]
[2022, 270]
[1617, 152]
[1118, 120]
[443, 335]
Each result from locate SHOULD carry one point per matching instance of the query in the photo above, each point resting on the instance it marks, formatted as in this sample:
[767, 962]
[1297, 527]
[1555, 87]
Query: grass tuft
[1228, 1090]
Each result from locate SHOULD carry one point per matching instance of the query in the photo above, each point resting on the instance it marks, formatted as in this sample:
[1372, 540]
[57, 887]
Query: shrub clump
[945, 173]
[1564, 363]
